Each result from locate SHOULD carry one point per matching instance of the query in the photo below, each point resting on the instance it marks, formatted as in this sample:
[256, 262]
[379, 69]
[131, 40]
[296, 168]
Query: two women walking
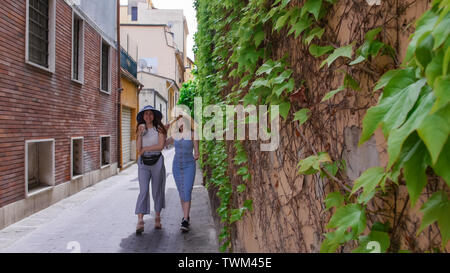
[151, 140]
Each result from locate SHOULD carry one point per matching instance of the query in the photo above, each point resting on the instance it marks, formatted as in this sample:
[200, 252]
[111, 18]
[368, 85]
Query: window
[134, 14]
[76, 151]
[39, 165]
[105, 156]
[40, 37]
[105, 78]
[77, 49]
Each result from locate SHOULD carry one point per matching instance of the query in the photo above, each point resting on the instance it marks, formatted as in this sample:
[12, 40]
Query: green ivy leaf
[414, 172]
[399, 96]
[377, 237]
[441, 167]
[345, 51]
[437, 209]
[398, 136]
[259, 37]
[289, 86]
[240, 158]
[435, 130]
[245, 81]
[267, 67]
[284, 109]
[333, 240]
[423, 50]
[260, 82]
[446, 63]
[250, 99]
[311, 164]
[350, 82]
[378, 226]
[350, 216]
[242, 170]
[334, 199]
[282, 77]
[441, 31]
[442, 92]
[302, 116]
[281, 22]
[423, 25]
[241, 188]
[316, 32]
[330, 94]
[385, 79]
[434, 69]
[358, 60]
[369, 180]
[313, 7]
[225, 246]
[371, 34]
[248, 204]
[300, 26]
[375, 47]
[318, 51]
[331, 167]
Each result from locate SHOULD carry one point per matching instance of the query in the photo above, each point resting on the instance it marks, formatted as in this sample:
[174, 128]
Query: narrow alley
[100, 219]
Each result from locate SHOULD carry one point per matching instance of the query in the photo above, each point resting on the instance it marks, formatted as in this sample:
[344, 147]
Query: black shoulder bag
[150, 160]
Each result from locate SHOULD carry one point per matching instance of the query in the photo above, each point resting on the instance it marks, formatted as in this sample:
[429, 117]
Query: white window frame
[107, 165]
[52, 179]
[51, 37]
[103, 41]
[71, 158]
[75, 14]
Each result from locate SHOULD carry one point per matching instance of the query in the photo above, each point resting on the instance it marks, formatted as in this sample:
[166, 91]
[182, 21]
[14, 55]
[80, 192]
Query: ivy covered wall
[343, 175]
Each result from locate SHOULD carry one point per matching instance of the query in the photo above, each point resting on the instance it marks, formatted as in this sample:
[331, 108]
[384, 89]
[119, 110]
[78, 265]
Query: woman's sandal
[158, 222]
[140, 227]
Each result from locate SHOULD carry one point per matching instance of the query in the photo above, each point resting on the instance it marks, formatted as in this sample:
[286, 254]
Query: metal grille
[105, 67]
[38, 31]
[76, 47]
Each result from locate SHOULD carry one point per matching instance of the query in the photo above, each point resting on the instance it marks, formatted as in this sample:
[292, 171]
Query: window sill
[39, 190]
[78, 81]
[77, 177]
[106, 92]
[48, 70]
[105, 166]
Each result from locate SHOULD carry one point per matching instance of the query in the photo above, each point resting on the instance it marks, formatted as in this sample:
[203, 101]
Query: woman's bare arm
[196, 148]
[141, 129]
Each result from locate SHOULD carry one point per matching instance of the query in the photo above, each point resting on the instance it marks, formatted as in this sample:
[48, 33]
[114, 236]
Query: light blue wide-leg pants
[157, 175]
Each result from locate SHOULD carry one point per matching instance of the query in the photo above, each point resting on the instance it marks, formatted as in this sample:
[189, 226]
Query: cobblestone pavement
[101, 219]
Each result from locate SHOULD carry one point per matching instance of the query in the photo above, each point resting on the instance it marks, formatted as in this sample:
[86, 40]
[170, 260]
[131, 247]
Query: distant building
[129, 107]
[190, 65]
[160, 37]
[58, 101]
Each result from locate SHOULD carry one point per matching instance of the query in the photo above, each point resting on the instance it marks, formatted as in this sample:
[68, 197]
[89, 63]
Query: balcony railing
[128, 63]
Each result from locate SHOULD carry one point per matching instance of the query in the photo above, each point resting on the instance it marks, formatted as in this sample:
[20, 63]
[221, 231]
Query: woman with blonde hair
[183, 167]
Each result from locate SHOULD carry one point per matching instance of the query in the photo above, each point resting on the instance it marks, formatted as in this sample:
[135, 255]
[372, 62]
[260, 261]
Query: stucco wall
[152, 43]
[103, 13]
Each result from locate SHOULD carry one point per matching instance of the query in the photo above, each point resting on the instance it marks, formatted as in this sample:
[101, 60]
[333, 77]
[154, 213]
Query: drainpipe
[119, 89]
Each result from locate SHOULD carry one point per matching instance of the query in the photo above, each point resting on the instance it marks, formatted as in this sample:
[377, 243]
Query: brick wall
[35, 104]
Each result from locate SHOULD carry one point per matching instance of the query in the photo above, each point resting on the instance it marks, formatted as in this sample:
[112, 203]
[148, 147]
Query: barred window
[105, 67]
[38, 48]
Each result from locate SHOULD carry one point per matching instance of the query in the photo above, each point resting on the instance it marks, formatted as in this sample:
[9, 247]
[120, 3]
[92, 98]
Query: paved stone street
[101, 219]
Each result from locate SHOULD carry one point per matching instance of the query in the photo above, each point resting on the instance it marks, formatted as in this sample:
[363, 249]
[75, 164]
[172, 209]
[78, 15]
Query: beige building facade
[156, 38]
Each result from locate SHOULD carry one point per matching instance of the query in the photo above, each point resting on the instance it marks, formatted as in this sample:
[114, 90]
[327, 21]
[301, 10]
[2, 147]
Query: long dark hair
[157, 123]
